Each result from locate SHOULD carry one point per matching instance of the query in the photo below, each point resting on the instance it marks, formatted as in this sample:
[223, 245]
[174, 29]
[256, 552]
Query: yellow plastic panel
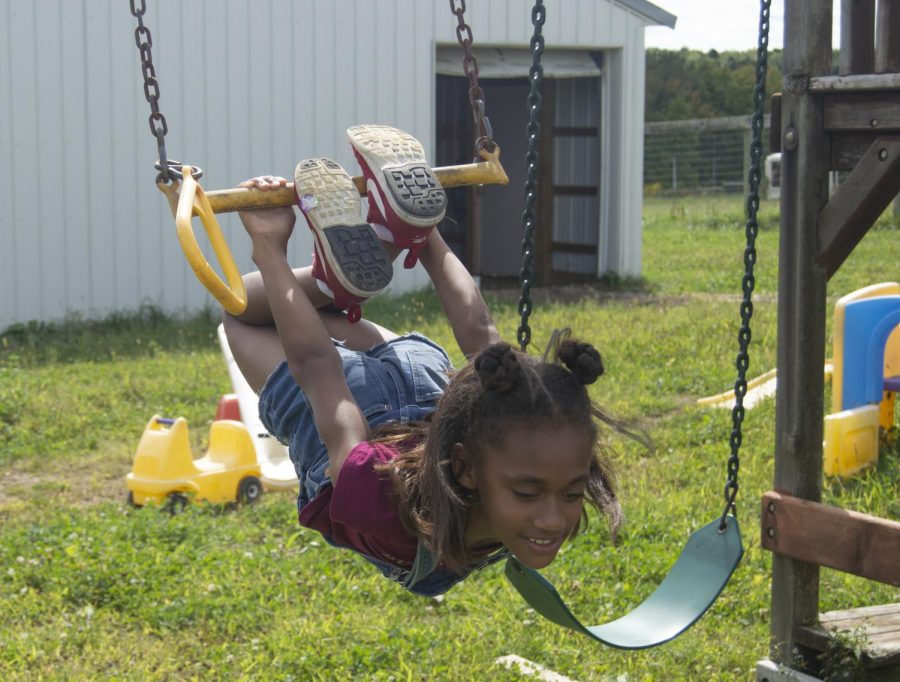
[851, 440]
[164, 452]
[886, 411]
[230, 444]
[892, 354]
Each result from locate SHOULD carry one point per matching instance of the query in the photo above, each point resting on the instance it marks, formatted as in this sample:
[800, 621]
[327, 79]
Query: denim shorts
[398, 380]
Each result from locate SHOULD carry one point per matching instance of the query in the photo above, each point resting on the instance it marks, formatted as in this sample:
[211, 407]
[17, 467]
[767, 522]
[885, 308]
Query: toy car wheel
[129, 500]
[249, 490]
[176, 503]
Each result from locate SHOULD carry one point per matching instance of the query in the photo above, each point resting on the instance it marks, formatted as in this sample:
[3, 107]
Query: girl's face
[531, 491]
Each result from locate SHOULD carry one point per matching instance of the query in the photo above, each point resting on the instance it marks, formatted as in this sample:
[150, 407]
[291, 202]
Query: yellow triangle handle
[193, 201]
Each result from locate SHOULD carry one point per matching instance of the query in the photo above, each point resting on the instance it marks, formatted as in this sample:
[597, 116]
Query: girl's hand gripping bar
[189, 200]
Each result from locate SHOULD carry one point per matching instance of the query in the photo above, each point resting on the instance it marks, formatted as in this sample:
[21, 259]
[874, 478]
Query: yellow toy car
[164, 471]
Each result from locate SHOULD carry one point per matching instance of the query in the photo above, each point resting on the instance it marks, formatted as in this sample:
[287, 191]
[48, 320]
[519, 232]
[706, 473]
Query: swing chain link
[532, 158]
[169, 169]
[484, 133]
[748, 281]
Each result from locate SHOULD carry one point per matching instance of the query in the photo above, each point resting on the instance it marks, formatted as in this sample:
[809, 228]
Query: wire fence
[712, 156]
[699, 156]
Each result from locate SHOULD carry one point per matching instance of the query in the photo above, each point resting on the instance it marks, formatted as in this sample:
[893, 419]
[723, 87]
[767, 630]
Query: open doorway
[484, 225]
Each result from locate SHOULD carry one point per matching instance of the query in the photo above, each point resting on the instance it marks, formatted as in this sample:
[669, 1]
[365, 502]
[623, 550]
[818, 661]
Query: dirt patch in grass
[565, 293]
[90, 479]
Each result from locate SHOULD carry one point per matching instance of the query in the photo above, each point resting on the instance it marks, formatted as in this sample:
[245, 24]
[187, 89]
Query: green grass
[94, 590]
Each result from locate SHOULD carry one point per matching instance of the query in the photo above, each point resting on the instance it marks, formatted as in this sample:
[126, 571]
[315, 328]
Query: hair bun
[582, 359]
[498, 368]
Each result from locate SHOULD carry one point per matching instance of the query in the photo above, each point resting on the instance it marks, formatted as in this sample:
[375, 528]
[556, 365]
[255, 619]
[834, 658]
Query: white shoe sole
[351, 251]
[397, 161]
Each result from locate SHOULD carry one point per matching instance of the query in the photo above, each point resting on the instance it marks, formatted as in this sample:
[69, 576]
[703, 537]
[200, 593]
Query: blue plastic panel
[867, 325]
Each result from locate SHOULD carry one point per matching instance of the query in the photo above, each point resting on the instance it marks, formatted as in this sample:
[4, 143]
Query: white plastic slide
[277, 469]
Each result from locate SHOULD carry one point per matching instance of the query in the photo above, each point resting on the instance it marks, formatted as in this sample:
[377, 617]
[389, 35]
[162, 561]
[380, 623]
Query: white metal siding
[247, 88]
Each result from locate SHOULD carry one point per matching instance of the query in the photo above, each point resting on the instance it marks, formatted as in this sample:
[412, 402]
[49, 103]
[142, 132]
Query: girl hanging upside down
[427, 472]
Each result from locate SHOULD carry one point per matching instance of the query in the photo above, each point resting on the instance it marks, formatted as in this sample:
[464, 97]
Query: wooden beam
[575, 190]
[871, 111]
[847, 149]
[857, 37]
[855, 543]
[576, 131]
[569, 247]
[878, 626]
[887, 37]
[799, 409]
[775, 127]
[864, 83]
[860, 199]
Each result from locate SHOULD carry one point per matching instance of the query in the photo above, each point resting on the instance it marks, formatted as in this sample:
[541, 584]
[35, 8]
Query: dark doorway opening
[484, 225]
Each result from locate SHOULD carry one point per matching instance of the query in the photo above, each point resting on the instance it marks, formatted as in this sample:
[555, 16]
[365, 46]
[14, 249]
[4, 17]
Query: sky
[720, 25]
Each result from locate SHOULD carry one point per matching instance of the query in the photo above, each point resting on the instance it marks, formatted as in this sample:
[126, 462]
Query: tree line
[686, 83]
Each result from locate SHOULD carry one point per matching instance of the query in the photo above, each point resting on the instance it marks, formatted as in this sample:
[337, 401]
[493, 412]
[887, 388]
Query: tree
[692, 84]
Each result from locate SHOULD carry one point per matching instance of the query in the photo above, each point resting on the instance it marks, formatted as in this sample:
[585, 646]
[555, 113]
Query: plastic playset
[242, 459]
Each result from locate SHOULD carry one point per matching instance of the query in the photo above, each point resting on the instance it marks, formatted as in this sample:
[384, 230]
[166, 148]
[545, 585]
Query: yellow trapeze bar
[487, 172]
[187, 199]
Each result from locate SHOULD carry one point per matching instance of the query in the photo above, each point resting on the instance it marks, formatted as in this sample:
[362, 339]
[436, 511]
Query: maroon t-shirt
[361, 512]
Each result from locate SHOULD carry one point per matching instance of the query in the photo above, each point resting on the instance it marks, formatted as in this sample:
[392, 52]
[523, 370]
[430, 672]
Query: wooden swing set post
[801, 306]
[827, 123]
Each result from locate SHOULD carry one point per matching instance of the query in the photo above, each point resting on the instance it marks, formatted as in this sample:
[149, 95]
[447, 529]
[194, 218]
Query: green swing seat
[691, 586]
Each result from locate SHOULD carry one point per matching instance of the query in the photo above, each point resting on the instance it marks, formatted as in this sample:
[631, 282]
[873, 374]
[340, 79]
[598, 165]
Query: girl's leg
[257, 349]
[359, 336]
[258, 311]
[253, 338]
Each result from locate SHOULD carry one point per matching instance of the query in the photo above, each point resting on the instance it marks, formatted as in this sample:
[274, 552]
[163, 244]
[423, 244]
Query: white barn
[251, 88]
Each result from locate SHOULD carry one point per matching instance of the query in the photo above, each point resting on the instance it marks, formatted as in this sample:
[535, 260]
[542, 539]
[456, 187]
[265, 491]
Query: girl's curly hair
[502, 389]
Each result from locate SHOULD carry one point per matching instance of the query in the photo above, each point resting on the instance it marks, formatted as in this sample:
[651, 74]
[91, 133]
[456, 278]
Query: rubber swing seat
[691, 586]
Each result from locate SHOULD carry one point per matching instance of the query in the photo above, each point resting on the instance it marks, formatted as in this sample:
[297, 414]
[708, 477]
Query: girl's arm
[312, 359]
[460, 297]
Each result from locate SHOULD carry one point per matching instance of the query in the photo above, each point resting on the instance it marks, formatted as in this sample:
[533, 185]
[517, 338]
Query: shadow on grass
[567, 290]
[126, 334]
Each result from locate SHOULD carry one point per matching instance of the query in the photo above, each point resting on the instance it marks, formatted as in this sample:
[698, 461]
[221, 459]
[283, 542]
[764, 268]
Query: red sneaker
[349, 260]
[404, 193]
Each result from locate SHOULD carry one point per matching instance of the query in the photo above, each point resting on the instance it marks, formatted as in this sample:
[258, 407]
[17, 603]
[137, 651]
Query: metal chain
[484, 134]
[169, 170]
[532, 158]
[748, 282]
